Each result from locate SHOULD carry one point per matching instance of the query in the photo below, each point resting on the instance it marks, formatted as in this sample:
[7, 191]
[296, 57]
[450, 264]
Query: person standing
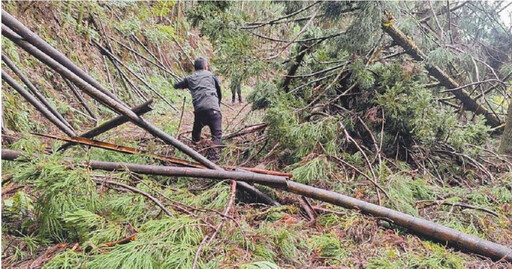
[205, 89]
[236, 87]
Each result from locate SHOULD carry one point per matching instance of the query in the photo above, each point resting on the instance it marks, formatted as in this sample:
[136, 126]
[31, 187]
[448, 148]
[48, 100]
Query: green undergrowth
[164, 243]
[317, 169]
[94, 215]
[62, 203]
[437, 257]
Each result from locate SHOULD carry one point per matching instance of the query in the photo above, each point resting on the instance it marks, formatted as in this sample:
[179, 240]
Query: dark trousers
[211, 118]
[236, 87]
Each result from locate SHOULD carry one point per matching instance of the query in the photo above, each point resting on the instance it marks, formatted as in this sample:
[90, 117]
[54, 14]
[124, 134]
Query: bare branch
[133, 189]
[274, 21]
[472, 84]
[295, 38]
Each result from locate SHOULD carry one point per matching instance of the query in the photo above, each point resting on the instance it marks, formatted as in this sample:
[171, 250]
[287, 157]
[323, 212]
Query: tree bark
[111, 124]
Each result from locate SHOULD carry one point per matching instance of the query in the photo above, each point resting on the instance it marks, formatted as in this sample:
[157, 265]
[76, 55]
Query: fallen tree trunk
[418, 225]
[113, 123]
[38, 105]
[175, 161]
[126, 82]
[114, 58]
[81, 99]
[34, 90]
[115, 105]
[146, 49]
[146, 59]
[448, 82]
[109, 52]
[302, 51]
[46, 48]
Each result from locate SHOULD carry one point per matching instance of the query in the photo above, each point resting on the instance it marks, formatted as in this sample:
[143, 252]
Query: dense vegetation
[349, 107]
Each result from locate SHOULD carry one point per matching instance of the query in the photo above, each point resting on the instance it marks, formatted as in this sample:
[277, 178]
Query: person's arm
[182, 84]
[217, 86]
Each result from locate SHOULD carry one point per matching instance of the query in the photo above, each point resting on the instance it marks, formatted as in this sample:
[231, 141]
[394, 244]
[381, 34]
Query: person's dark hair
[200, 63]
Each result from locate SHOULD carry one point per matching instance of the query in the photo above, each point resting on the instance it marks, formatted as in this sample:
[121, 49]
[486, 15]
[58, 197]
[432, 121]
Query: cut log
[175, 161]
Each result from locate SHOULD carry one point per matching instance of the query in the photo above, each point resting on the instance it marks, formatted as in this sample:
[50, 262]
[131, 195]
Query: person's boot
[240, 99]
[233, 101]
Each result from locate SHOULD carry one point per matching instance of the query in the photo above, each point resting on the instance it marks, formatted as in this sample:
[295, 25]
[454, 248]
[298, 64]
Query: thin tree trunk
[80, 98]
[34, 90]
[114, 58]
[303, 49]
[113, 123]
[37, 104]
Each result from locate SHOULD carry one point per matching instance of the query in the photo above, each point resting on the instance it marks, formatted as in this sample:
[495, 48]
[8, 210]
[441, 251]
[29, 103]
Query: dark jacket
[204, 87]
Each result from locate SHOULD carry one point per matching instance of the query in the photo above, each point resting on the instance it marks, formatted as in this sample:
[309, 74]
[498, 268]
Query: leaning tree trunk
[303, 49]
[506, 138]
[448, 82]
